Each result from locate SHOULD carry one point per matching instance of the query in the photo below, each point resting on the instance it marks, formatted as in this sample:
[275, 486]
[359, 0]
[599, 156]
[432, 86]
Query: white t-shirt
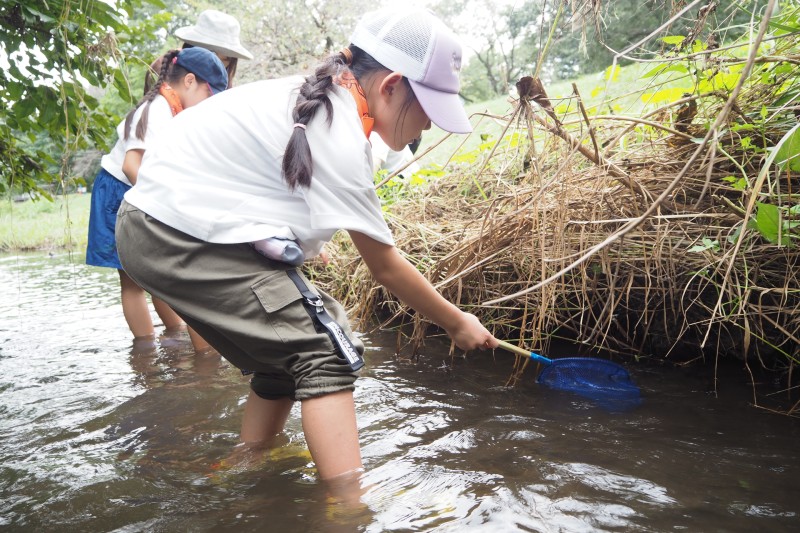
[391, 160]
[158, 115]
[216, 171]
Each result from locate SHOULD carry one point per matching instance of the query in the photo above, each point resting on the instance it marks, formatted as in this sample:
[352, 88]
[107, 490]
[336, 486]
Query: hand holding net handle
[525, 353]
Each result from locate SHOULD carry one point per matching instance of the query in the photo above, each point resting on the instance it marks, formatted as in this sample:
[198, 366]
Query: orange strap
[172, 97]
[348, 81]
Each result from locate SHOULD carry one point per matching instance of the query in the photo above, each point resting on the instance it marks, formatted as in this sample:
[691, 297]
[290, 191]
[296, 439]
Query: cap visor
[444, 109]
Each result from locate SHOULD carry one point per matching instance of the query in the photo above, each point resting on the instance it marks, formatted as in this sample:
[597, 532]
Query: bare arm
[400, 277]
[131, 164]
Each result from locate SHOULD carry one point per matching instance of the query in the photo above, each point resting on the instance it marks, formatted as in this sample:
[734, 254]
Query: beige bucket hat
[217, 32]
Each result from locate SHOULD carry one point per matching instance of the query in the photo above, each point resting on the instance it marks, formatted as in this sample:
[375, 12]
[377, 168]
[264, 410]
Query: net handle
[525, 353]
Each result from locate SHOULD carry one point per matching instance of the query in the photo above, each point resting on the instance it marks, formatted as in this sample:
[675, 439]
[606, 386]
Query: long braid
[141, 127]
[297, 162]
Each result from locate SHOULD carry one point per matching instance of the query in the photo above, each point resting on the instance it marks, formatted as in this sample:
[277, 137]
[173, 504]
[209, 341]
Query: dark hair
[170, 73]
[297, 162]
[155, 66]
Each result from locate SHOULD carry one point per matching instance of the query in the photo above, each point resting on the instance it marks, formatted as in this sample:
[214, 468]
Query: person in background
[282, 165]
[187, 78]
[215, 31]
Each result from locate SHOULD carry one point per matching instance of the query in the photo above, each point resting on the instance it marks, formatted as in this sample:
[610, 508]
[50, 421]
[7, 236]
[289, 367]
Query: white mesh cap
[418, 45]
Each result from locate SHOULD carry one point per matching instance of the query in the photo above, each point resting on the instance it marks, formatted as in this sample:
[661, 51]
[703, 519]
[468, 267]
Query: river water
[99, 435]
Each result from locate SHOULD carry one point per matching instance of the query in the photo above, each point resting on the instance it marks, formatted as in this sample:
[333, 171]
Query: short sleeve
[342, 192]
[157, 116]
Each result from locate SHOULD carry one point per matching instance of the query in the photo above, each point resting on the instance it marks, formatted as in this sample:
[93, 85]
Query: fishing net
[596, 379]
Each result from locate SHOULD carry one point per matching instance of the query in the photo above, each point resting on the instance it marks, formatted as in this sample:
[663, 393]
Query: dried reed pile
[646, 252]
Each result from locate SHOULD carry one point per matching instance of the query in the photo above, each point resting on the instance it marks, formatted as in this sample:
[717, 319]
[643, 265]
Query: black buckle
[323, 321]
[316, 303]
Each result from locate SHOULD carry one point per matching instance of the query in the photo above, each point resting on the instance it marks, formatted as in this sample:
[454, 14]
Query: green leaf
[612, 72]
[788, 156]
[783, 27]
[767, 221]
[738, 184]
[708, 244]
[674, 39]
[698, 46]
[25, 107]
[733, 237]
[742, 127]
[122, 85]
[665, 95]
[15, 90]
[46, 19]
[513, 140]
[665, 68]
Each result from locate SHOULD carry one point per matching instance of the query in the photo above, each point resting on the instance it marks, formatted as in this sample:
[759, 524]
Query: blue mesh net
[596, 379]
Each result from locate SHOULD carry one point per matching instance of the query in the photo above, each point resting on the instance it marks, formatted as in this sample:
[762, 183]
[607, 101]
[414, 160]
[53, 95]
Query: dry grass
[633, 251]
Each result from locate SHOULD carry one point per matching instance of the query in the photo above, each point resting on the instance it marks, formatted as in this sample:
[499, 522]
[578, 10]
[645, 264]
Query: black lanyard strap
[313, 304]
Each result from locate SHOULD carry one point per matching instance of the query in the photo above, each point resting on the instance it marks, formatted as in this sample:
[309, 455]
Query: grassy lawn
[44, 225]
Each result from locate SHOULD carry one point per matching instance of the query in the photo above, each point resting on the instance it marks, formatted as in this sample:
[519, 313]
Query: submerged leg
[264, 419]
[201, 346]
[168, 317]
[329, 425]
[173, 322]
[134, 307]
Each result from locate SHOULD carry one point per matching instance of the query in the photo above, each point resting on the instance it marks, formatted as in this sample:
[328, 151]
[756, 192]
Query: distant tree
[501, 41]
[590, 34]
[504, 40]
[290, 37]
[55, 57]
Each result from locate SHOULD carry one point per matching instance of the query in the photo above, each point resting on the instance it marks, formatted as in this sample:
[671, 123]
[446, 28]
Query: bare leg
[134, 307]
[329, 425]
[264, 419]
[201, 347]
[173, 322]
[169, 317]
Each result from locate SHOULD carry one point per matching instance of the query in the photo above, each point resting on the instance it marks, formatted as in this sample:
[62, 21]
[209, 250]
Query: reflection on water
[99, 435]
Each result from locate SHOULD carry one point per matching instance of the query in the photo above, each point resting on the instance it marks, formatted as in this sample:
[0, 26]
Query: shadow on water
[100, 435]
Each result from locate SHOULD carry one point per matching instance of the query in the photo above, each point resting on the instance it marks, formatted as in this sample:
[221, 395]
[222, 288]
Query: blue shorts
[107, 193]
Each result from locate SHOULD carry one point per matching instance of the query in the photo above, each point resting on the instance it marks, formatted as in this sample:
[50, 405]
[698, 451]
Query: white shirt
[216, 171]
[391, 160]
[158, 115]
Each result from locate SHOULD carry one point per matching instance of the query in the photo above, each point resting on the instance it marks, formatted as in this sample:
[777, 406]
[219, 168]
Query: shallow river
[98, 435]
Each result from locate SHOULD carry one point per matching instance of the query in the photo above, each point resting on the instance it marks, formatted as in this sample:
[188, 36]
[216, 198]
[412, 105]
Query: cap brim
[444, 109]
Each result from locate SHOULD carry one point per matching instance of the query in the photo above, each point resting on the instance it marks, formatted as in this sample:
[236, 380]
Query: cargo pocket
[283, 304]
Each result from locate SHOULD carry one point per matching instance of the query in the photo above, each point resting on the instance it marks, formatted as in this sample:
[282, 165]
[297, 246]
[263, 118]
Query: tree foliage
[562, 39]
[593, 32]
[55, 56]
[290, 37]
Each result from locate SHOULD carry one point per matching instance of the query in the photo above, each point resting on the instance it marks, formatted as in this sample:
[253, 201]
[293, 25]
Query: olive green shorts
[242, 303]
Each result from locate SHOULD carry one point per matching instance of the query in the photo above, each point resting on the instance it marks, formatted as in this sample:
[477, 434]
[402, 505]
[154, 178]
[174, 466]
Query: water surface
[99, 435]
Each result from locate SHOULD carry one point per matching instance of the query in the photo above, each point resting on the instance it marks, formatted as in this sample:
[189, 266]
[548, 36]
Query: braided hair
[171, 73]
[297, 164]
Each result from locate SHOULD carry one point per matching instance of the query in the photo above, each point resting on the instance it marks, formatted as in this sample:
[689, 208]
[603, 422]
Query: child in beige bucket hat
[215, 31]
